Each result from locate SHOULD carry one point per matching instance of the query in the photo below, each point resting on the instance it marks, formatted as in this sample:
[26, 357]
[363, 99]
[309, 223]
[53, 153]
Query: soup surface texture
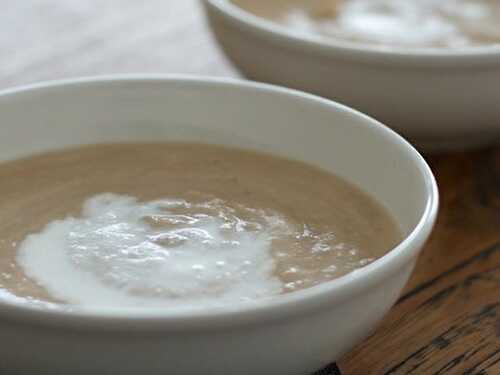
[177, 226]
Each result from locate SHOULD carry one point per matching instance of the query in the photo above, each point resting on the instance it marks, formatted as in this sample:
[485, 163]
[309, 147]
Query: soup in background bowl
[392, 23]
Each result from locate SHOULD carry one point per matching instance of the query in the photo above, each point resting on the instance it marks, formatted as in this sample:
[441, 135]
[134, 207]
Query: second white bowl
[439, 99]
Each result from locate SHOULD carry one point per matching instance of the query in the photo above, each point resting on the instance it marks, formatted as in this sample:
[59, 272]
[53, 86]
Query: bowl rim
[299, 302]
[320, 45]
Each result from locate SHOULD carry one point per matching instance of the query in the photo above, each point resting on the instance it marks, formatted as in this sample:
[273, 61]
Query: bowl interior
[258, 117]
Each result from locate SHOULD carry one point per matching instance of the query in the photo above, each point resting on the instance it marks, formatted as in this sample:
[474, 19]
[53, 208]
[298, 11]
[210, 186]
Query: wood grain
[448, 319]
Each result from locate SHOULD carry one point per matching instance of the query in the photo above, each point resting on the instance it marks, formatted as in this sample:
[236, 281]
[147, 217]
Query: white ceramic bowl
[292, 334]
[439, 99]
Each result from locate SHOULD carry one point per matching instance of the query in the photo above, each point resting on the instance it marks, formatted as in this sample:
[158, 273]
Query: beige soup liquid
[177, 226]
[388, 23]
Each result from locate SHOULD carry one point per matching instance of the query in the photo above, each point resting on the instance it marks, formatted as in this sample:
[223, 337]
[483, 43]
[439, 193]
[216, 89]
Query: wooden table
[448, 319]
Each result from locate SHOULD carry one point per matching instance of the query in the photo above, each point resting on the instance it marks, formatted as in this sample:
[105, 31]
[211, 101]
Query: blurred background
[54, 39]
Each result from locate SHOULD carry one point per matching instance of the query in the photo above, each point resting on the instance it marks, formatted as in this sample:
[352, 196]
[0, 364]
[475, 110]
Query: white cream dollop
[164, 253]
[403, 23]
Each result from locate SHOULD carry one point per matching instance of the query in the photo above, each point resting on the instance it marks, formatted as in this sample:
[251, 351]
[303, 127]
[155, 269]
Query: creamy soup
[398, 23]
[178, 226]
